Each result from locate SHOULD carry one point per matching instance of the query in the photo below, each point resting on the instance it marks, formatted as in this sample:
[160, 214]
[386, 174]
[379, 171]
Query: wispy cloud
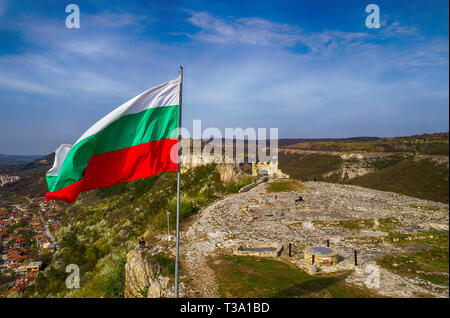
[396, 28]
[22, 85]
[264, 33]
[255, 31]
[261, 32]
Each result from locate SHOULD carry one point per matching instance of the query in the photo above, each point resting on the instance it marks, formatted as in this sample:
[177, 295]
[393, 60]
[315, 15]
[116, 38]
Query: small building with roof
[34, 266]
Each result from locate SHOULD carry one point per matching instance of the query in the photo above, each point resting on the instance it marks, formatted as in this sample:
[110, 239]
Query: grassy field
[418, 178]
[240, 276]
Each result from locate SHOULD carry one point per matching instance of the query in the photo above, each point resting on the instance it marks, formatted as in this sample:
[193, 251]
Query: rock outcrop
[5, 180]
[143, 276]
[229, 172]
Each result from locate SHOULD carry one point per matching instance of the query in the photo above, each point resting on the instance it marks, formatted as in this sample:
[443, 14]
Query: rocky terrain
[350, 217]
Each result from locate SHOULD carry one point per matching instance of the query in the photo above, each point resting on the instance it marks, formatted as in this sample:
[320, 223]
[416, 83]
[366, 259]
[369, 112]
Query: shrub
[236, 186]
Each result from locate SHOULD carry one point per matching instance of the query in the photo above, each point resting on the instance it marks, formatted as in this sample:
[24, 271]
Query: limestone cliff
[4, 180]
[229, 172]
[143, 276]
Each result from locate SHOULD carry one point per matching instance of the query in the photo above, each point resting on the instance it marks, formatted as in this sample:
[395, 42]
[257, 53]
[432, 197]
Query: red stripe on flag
[122, 165]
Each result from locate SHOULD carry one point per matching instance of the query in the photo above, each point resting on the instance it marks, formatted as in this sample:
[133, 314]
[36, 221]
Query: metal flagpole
[178, 186]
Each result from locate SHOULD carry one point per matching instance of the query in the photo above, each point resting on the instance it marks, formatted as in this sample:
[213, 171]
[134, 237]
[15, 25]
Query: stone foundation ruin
[321, 256]
[260, 250]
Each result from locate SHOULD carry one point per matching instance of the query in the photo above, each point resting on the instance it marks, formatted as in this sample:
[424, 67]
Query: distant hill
[14, 159]
[32, 175]
[429, 144]
[413, 165]
[283, 142]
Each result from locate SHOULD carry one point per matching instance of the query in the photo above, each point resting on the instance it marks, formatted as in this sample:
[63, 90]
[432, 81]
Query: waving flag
[133, 141]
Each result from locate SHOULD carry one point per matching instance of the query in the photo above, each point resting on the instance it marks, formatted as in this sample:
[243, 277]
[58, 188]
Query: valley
[391, 207]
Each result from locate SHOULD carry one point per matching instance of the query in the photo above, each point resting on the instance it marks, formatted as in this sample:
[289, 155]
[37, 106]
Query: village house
[55, 228]
[41, 240]
[21, 284]
[49, 246]
[34, 266]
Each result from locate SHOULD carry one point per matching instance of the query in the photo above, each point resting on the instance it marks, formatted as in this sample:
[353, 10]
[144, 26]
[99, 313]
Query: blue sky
[309, 68]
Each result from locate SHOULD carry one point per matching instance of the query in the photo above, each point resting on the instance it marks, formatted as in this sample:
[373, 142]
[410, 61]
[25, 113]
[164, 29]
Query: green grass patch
[353, 224]
[387, 224]
[240, 276]
[435, 238]
[431, 265]
[167, 264]
[285, 186]
[423, 207]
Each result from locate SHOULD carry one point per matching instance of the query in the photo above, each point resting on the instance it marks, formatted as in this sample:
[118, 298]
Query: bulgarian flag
[136, 140]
